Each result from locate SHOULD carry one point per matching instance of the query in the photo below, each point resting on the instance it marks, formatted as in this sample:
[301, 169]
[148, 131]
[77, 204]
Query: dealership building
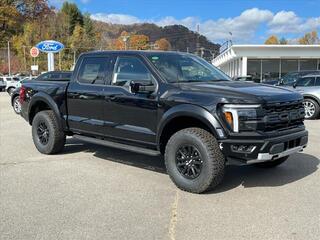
[267, 62]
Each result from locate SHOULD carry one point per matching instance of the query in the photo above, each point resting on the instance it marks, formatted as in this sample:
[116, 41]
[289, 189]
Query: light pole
[9, 59]
[125, 40]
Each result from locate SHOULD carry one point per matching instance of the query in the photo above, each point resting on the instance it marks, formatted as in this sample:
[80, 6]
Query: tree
[73, 14]
[32, 9]
[88, 25]
[310, 38]
[283, 41]
[162, 44]
[272, 40]
[9, 19]
[139, 42]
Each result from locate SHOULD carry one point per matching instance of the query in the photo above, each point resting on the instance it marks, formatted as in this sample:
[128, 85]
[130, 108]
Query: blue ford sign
[50, 46]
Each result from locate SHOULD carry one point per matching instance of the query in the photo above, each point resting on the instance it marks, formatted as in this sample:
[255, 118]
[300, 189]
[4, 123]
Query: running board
[117, 145]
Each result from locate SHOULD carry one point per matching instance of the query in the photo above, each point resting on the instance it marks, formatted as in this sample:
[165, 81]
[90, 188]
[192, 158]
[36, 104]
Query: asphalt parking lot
[94, 192]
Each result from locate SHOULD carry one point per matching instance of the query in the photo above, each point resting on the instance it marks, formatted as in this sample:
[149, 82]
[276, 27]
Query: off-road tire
[272, 164]
[56, 139]
[213, 165]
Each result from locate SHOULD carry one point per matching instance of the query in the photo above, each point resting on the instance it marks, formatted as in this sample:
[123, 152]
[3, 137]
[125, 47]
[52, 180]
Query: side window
[129, 69]
[92, 70]
[306, 82]
[318, 81]
[44, 76]
[65, 76]
[54, 76]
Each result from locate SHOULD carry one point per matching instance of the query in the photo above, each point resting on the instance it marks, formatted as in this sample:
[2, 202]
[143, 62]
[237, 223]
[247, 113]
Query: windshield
[185, 68]
[290, 78]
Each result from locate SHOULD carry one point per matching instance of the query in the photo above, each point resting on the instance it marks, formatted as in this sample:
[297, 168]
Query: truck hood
[251, 92]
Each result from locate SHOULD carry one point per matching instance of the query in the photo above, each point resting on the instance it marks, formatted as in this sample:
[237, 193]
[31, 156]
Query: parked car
[15, 101]
[309, 87]
[170, 103]
[291, 77]
[2, 84]
[12, 84]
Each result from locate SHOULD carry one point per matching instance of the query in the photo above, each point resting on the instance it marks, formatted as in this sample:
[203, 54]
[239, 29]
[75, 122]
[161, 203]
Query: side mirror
[142, 88]
[294, 84]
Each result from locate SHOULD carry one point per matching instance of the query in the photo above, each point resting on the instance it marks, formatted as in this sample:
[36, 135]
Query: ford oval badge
[50, 46]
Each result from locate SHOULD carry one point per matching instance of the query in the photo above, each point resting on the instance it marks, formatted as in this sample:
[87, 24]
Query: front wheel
[194, 160]
[311, 108]
[47, 136]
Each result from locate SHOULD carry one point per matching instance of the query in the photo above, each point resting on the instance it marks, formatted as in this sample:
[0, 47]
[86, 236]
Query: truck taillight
[22, 94]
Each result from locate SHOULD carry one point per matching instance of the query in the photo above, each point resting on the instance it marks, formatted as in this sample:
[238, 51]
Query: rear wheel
[311, 108]
[10, 91]
[194, 161]
[47, 136]
[16, 105]
[272, 164]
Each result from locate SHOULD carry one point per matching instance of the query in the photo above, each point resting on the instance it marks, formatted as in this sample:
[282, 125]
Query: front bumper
[263, 150]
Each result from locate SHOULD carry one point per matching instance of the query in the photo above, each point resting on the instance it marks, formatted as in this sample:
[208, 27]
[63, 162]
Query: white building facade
[267, 62]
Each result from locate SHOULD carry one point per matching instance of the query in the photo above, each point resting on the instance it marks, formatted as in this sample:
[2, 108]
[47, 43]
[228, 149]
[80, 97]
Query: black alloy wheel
[43, 133]
[188, 161]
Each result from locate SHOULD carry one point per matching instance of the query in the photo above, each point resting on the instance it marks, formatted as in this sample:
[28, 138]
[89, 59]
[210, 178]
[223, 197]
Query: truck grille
[283, 116]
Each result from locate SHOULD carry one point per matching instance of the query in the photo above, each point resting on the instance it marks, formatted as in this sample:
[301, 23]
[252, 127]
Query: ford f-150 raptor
[170, 103]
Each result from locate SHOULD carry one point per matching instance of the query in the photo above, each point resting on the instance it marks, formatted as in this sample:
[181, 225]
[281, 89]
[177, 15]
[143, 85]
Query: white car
[11, 84]
[16, 83]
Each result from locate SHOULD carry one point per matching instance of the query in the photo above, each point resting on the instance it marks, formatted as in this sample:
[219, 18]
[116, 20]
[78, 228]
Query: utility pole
[198, 40]
[9, 59]
[74, 58]
[25, 60]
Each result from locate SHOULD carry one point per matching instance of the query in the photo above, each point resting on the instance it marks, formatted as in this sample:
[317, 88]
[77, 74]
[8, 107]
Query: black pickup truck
[168, 103]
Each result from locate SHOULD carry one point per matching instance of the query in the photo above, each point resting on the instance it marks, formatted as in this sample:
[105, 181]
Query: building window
[308, 64]
[288, 65]
[254, 69]
[270, 69]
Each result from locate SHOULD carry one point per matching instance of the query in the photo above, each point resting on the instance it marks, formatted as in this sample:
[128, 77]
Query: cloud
[243, 27]
[116, 18]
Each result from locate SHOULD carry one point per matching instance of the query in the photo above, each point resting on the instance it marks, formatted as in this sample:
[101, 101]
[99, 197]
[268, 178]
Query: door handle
[83, 97]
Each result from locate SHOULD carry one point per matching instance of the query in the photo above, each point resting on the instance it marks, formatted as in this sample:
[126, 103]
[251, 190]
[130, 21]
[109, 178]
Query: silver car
[309, 87]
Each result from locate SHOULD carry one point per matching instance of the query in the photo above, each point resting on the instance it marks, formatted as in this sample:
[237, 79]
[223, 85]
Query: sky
[242, 21]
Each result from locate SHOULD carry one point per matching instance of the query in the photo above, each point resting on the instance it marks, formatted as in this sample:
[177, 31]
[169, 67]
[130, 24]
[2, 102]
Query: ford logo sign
[50, 46]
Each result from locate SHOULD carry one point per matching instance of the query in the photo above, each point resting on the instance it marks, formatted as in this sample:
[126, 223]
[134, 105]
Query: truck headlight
[234, 114]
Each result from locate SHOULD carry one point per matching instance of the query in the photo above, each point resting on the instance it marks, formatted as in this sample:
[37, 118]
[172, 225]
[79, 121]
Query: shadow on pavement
[116, 155]
[298, 166]
[295, 168]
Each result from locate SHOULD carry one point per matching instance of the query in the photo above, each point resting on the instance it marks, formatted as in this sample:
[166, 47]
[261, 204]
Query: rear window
[56, 76]
[92, 70]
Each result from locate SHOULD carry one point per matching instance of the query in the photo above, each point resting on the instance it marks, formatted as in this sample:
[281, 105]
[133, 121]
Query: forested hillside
[24, 23]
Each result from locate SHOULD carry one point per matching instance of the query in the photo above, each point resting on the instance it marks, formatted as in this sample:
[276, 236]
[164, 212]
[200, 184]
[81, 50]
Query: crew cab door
[85, 96]
[130, 116]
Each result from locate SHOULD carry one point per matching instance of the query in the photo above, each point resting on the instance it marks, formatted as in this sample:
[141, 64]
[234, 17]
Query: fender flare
[312, 97]
[188, 110]
[46, 98]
